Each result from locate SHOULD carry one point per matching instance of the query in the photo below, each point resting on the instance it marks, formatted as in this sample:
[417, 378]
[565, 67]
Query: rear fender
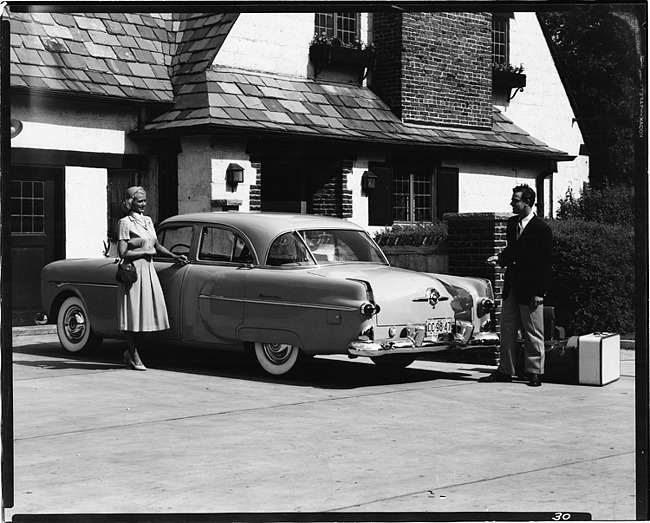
[250, 335]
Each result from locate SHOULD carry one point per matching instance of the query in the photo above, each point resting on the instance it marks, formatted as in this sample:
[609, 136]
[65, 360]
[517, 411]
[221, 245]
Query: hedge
[416, 234]
[593, 277]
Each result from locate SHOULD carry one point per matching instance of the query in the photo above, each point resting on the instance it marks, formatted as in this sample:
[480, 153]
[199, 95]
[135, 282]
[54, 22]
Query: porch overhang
[264, 107]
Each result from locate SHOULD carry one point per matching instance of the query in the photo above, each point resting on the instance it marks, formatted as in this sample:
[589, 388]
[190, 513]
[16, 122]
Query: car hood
[395, 290]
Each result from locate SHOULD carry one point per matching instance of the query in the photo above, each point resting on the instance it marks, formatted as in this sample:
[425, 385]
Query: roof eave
[94, 97]
[207, 129]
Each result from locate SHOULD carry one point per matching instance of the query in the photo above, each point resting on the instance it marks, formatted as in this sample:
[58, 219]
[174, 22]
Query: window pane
[242, 253]
[500, 40]
[422, 194]
[340, 25]
[402, 197]
[27, 207]
[176, 239]
[324, 24]
[333, 246]
[288, 249]
[216, 244]
[346, 27]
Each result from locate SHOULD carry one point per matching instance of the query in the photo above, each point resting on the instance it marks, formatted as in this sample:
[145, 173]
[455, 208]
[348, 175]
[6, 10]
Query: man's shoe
[496, 376]
[535, 381]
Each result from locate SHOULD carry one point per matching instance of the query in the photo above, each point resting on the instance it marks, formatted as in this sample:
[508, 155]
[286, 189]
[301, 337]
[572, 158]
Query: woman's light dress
[141, 305]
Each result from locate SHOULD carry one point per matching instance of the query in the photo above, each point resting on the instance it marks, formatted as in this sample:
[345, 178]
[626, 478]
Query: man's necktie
[520, 228]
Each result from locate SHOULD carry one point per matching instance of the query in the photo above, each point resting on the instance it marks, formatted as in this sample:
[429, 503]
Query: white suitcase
[599, 357]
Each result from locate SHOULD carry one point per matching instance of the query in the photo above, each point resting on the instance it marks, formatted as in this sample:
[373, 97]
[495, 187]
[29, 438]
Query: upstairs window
[500, 38]
[342, 26]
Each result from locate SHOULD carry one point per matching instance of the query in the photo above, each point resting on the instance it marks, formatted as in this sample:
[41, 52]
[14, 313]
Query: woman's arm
[130, 254]
[179, 258]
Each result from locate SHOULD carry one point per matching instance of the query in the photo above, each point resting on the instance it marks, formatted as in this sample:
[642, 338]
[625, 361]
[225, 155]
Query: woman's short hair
[131, 194]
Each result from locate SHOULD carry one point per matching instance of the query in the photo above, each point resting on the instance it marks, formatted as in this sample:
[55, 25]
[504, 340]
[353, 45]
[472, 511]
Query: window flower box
[508, 76]
[321, 53]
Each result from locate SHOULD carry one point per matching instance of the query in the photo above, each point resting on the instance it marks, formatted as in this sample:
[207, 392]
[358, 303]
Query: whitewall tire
[74, 328]
[276, 359]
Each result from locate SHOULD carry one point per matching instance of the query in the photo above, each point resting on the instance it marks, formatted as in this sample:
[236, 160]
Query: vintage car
[282, 286]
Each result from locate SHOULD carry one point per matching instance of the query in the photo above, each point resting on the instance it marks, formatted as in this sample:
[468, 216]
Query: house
[380, 118]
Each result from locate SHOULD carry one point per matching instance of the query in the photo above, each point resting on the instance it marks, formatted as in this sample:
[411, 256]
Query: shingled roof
[167, 58]
[119, 55]
[232, 99]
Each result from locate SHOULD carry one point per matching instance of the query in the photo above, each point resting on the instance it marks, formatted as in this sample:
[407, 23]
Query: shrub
[613, 205]
[416, 235]
[593, 276]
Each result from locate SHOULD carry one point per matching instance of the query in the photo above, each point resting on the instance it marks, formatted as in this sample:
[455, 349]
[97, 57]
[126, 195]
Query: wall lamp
[234, 174]
[368, 181]
[16, 127]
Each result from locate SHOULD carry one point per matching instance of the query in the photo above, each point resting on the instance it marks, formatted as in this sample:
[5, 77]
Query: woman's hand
[180, 258]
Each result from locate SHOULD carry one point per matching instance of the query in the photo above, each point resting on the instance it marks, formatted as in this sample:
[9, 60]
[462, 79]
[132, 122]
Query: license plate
[437, 326]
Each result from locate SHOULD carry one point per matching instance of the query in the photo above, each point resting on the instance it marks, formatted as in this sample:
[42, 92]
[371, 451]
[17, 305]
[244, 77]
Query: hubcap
[75, 324]
[277, 353]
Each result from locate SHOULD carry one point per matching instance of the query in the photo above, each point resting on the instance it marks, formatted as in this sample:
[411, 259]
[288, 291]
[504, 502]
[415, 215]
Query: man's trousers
[530, 320]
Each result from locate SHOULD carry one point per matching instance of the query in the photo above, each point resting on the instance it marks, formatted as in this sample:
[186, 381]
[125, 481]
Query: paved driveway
[205, 433]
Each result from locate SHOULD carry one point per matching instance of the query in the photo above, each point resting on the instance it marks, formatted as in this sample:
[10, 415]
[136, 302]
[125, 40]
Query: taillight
[369, 309]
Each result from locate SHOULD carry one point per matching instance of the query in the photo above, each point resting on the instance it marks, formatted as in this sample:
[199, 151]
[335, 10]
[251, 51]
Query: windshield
[323, 246]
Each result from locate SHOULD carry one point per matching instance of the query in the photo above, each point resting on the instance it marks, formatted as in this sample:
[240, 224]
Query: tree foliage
[597, 47]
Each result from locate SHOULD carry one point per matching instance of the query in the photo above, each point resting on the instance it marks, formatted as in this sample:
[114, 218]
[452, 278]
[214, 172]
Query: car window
[288, 249]
[177, 239]
[223, 245]
[336, 246]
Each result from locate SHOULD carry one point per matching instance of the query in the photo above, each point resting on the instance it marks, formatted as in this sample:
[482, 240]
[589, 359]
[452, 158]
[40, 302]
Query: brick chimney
[435, 68]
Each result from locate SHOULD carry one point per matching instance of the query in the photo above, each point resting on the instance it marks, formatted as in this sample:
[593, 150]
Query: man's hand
[537, 301]
[492, 260]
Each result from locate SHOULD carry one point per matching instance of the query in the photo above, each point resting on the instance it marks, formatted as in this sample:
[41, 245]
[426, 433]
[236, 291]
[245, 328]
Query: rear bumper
[412, 345]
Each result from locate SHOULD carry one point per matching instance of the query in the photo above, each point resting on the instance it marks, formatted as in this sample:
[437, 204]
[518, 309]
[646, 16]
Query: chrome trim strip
[83, 284]
[283, 303]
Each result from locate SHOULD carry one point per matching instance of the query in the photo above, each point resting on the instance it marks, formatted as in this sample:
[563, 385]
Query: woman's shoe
[128, 360]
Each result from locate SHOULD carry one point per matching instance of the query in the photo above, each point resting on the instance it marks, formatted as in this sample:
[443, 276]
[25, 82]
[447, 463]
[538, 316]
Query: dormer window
[342, 26]
[500, 38]
[507, 79]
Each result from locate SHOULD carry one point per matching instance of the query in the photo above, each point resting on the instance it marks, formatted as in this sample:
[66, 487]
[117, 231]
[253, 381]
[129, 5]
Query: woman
[141, 305]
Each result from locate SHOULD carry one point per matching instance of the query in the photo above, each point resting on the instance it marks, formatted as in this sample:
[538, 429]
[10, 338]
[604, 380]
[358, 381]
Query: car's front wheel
[277, 359]
[74, 328]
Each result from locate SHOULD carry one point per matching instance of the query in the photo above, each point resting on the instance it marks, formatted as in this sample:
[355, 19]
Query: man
[527, 258]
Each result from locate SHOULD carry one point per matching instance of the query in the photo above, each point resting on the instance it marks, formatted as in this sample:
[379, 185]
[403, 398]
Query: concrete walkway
[202, 433]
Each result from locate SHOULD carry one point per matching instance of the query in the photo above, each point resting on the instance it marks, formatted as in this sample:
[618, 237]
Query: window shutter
[379, 201]
[447, 190]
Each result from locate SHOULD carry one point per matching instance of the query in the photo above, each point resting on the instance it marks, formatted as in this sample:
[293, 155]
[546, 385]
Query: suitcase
[599, 357]
[560, 362]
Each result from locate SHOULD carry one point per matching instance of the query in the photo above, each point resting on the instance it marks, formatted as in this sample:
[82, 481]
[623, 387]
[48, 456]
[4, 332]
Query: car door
[178, 239]
[213, 290]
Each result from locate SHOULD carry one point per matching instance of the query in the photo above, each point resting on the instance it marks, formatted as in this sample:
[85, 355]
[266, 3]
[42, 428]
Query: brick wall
[473, 237]
[330, 194]
[435, 68]
[255, 190]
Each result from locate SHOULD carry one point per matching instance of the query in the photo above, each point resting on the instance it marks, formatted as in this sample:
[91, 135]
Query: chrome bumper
[418, 345]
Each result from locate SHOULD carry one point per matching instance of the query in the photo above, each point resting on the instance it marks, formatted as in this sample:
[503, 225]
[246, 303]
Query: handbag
[126, 273]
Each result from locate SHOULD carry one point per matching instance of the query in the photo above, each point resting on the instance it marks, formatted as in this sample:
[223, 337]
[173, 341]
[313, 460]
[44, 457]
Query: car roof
[263, 227]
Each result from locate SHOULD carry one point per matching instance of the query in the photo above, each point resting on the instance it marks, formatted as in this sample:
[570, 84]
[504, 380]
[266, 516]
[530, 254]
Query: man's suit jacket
[527, 260]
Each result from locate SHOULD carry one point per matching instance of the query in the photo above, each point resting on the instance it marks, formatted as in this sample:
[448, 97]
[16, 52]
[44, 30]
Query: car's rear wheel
[277, 359]
[74, 328]
[393, 361]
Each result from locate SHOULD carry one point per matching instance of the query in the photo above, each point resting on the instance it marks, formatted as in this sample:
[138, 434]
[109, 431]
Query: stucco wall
[487, 187]
[202, 168]
[276, 43]
[543, 108]
[78, 126]
[85, 212]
